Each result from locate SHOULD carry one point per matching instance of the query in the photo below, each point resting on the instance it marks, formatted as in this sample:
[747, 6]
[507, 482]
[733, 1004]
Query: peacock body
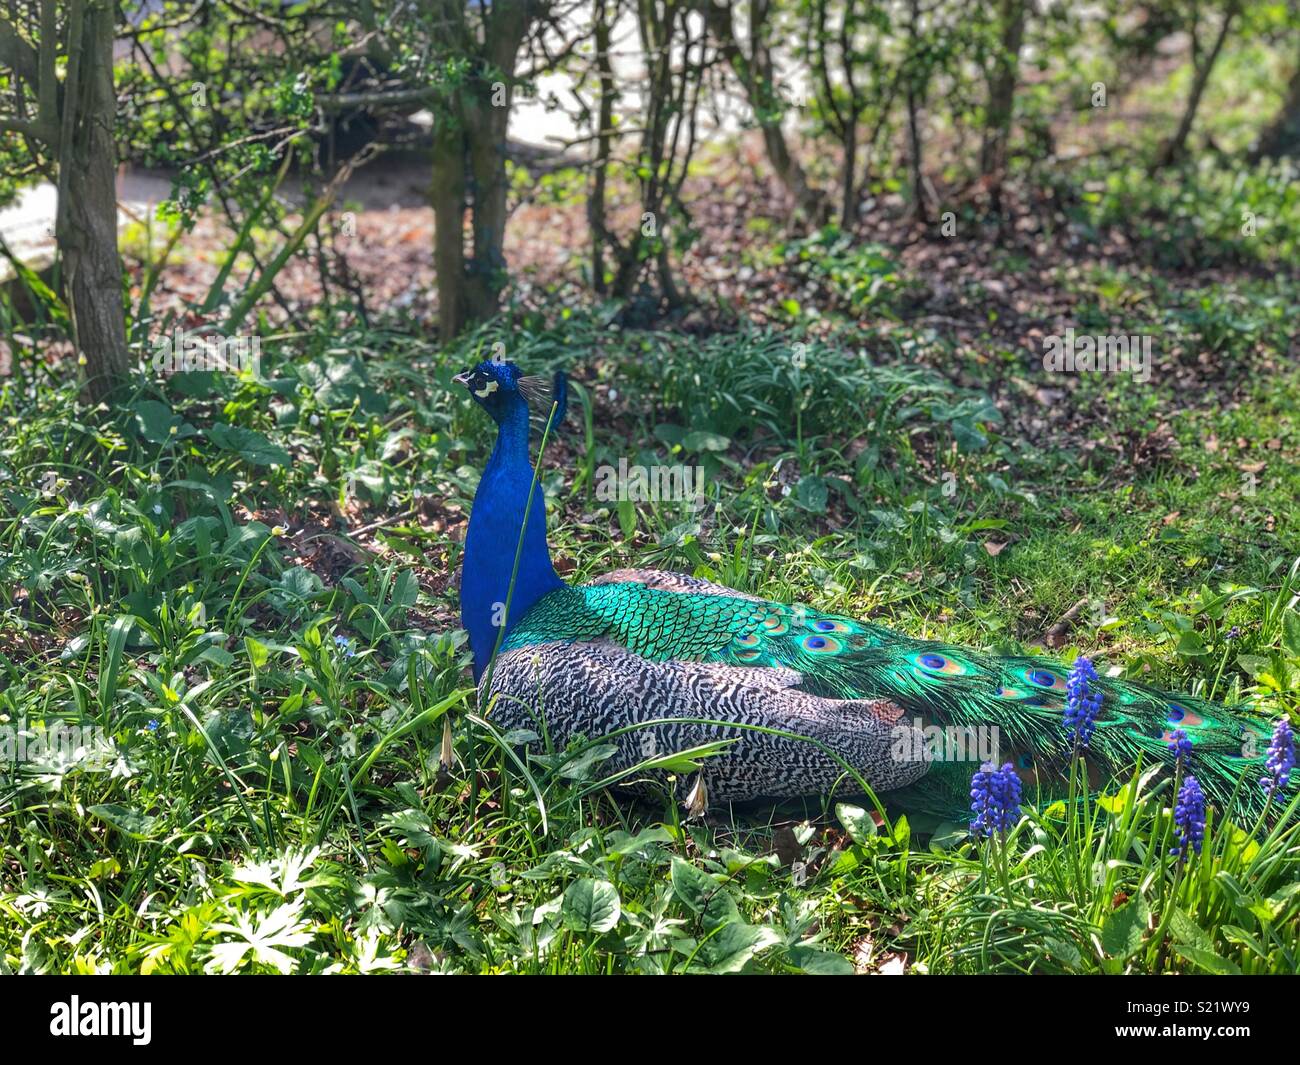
[664, 662]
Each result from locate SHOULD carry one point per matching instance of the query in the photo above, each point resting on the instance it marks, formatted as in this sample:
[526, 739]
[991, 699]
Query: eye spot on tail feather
[938, 665]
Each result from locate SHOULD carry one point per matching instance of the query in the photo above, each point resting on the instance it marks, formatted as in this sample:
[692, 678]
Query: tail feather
[662, 617]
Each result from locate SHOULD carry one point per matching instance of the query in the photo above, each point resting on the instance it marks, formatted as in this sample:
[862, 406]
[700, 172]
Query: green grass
[247, 587]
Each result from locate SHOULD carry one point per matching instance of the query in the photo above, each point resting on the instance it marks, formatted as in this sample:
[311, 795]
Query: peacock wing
[781, 741]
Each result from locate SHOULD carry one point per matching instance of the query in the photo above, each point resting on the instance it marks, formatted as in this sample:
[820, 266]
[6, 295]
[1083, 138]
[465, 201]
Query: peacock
[813, 704]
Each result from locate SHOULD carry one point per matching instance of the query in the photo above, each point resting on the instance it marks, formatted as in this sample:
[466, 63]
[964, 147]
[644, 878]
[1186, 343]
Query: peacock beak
[462, 379]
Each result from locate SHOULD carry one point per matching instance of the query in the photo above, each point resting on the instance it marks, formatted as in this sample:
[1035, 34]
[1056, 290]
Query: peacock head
[497, 386]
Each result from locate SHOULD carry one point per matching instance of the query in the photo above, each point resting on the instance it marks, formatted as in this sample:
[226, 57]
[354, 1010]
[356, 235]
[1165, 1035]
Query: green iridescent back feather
[840, 657]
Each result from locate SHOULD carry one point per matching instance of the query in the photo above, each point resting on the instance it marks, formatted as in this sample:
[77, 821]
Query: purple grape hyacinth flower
[1189, 818]
[994, 799]
[1281, 758]
[1082, 703]
[1181, 746]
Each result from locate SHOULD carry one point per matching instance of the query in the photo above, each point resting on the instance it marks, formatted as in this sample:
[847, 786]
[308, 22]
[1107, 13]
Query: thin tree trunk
[486, 272]
[1002, 95]
[448, 198]
[86, 223]
[1282, 136]
[487, 116]
[604, 146]
[472, 143]
[1174, 148]
[916, 163]
[756, 74]
[915, 97]
[848, 202]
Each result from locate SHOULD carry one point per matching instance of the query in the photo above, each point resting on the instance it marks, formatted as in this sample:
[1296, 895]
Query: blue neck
[493, 537]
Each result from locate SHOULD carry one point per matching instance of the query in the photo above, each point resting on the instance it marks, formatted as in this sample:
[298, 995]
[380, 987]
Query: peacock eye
[1026, 760]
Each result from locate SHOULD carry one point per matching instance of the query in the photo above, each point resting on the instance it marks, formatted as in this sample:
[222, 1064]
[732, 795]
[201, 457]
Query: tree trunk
[1174, 148]
[86, 223]
[485, 271]
[916, 89]
[604, 146]
[1282, 136]
[848, 203]
[915, 160]
[756, 75]
[448, 198]
[487, 116]
[1002, 95]
[472, 141]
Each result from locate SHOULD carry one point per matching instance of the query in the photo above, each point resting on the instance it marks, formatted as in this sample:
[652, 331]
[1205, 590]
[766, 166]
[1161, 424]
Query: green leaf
[731, 947]
[627, 518]
[1064, 952]
[812, 493]
[1122, 929]
[856, 821]
[1190, 644]
[702, 440]
[250, 445]
[1207, 960]
[406, 590]
[112, 662]
[158, 423]
[590, 905]
[218, 656]
[703, 895]
[579, 767]
[968, 437]
[258, 653]
[670, 434]
[1184, 930]
[949, 835]
[818, 962]
[1291, 633]
[125, 819]
[300, 583]
[1254, 665]
[643, 845]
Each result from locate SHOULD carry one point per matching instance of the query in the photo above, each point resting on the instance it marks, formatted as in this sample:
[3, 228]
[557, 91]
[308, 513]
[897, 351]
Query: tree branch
[18, 55]
[35, 130]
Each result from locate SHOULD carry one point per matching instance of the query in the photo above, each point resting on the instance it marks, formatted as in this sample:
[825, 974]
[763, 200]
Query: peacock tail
[1009, 708]
[789, 701]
